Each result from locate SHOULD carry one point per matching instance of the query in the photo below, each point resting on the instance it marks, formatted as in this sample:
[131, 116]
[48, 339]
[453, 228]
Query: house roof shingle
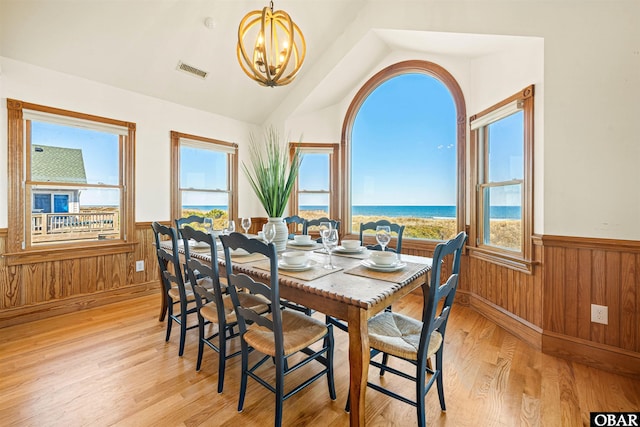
[57, 164]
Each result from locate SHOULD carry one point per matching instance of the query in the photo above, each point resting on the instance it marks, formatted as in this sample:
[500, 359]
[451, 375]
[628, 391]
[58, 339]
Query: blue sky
[404, 144]
[100, 167]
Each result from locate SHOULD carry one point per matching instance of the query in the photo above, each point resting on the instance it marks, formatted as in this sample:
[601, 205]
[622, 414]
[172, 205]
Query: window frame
[518, 260]
[334, 175]
[19, 251]
[408, 67]
[232, 172]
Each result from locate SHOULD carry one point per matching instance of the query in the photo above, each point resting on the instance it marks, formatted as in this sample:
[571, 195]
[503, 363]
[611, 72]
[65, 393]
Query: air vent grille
[192, 70]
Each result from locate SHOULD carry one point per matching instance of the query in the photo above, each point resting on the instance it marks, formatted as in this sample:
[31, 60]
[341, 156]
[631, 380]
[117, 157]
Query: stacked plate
[282, 265]
[397, 265]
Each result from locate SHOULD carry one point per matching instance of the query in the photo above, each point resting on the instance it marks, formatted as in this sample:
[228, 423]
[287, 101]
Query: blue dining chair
[295, 224]
[176, 292]
[395, 228]
[279, 335]
[416, 341]
[213, 301]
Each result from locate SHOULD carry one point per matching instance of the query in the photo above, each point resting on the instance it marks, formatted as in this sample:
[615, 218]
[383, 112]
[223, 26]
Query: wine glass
[208, 225]
[231, 227]
[383, 235]
[246, 223]
[269, 231]
[323, 227]
[330, 241]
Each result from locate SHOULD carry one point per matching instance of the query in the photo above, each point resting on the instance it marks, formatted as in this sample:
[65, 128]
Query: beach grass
[503, 233]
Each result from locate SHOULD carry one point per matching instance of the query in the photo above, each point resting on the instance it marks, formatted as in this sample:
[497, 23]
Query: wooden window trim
[334, 177]
[16, 132]
[232, 170]
[521, 261]
[405, 67]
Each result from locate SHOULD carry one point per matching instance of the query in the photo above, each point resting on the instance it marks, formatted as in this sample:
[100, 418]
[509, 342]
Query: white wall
[154, 120]
[586, 149]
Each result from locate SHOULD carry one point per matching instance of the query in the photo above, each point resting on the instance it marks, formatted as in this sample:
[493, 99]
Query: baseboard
[600, 356]
[522, 329]
[48, 309]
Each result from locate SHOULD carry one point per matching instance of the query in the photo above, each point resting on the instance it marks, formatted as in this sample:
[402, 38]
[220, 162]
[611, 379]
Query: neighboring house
[56, 164]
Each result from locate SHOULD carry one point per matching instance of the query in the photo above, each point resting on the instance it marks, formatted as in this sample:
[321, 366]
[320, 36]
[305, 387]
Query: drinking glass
[269, 231]
[246, 223]
[330, 241]
[231, 227]
[323, 227]
[208, 225]
[383, 235]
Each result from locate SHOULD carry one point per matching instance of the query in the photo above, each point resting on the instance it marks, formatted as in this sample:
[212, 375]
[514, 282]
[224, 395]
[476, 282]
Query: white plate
[342, 249]
[398, 265]
[284, 266]
[294, 243]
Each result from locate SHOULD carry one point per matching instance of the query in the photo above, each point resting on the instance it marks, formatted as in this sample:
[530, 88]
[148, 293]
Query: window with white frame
[76, 169]
[205, 178]
[502, 138]
[314, 195]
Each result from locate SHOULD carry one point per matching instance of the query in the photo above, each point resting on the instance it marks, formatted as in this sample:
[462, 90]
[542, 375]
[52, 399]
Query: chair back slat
[168, 260]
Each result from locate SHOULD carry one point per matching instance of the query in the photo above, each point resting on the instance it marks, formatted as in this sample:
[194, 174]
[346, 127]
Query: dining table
[353, 291]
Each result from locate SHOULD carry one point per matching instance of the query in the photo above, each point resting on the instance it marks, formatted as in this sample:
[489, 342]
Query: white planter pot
[282, 233]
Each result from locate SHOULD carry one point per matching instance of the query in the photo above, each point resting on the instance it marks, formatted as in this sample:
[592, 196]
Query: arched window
[404, 144]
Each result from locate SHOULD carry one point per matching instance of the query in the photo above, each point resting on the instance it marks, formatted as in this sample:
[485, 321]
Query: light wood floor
[111, 366]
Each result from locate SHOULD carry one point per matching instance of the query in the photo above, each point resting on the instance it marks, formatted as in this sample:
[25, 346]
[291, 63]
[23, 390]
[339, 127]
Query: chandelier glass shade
[271, 47]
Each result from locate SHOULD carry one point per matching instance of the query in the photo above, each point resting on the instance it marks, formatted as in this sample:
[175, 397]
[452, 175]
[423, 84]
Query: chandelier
[271, 47]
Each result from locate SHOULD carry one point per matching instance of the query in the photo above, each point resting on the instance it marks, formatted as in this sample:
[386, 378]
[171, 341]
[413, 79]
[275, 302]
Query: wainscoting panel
[38, 290]
[580, 272]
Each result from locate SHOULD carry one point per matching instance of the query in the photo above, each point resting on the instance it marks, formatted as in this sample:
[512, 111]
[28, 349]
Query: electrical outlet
[140, 265]
[600, 314]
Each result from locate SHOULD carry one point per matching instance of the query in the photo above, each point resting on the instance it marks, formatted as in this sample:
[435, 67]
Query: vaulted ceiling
[137, 44]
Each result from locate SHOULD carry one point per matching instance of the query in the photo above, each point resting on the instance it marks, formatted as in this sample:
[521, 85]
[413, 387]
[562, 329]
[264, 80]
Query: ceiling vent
[192, 70]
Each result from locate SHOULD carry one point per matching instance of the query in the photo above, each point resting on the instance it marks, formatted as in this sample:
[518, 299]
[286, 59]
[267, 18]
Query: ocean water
[497, 212]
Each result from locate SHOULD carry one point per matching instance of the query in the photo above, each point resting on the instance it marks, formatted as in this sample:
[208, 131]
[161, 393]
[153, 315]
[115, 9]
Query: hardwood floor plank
[111, 366]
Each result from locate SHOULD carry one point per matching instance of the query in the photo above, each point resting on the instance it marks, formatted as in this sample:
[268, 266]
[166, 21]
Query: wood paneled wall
[549, 308]
[39, 290]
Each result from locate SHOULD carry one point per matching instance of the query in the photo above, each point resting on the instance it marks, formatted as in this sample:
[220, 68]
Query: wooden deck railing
[86, 222]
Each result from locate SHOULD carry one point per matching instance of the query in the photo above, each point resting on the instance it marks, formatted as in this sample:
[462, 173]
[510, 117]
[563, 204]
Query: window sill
[501, 259]
[58, 253]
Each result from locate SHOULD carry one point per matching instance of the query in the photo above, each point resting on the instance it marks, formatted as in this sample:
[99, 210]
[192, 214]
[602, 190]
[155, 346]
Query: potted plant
[272, 176]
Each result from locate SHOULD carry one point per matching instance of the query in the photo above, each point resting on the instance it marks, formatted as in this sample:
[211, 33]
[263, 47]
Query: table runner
[399, 276]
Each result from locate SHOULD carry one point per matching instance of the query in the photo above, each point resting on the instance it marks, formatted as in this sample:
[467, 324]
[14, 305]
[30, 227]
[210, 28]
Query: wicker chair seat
[399, 335]
[299, 331]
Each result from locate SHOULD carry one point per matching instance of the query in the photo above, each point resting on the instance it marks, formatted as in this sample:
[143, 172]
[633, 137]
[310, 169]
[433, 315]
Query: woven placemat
[399, 276]
[315, 272]
[294, 247]
[243, 259]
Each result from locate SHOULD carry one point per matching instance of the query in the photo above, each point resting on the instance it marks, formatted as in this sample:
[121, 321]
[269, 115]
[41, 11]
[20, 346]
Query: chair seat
[299, 331]
[399, 335]
[257, 303]
[175, 294]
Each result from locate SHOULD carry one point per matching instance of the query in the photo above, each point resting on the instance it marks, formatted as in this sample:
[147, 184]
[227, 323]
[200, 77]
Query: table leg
[358, 363]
